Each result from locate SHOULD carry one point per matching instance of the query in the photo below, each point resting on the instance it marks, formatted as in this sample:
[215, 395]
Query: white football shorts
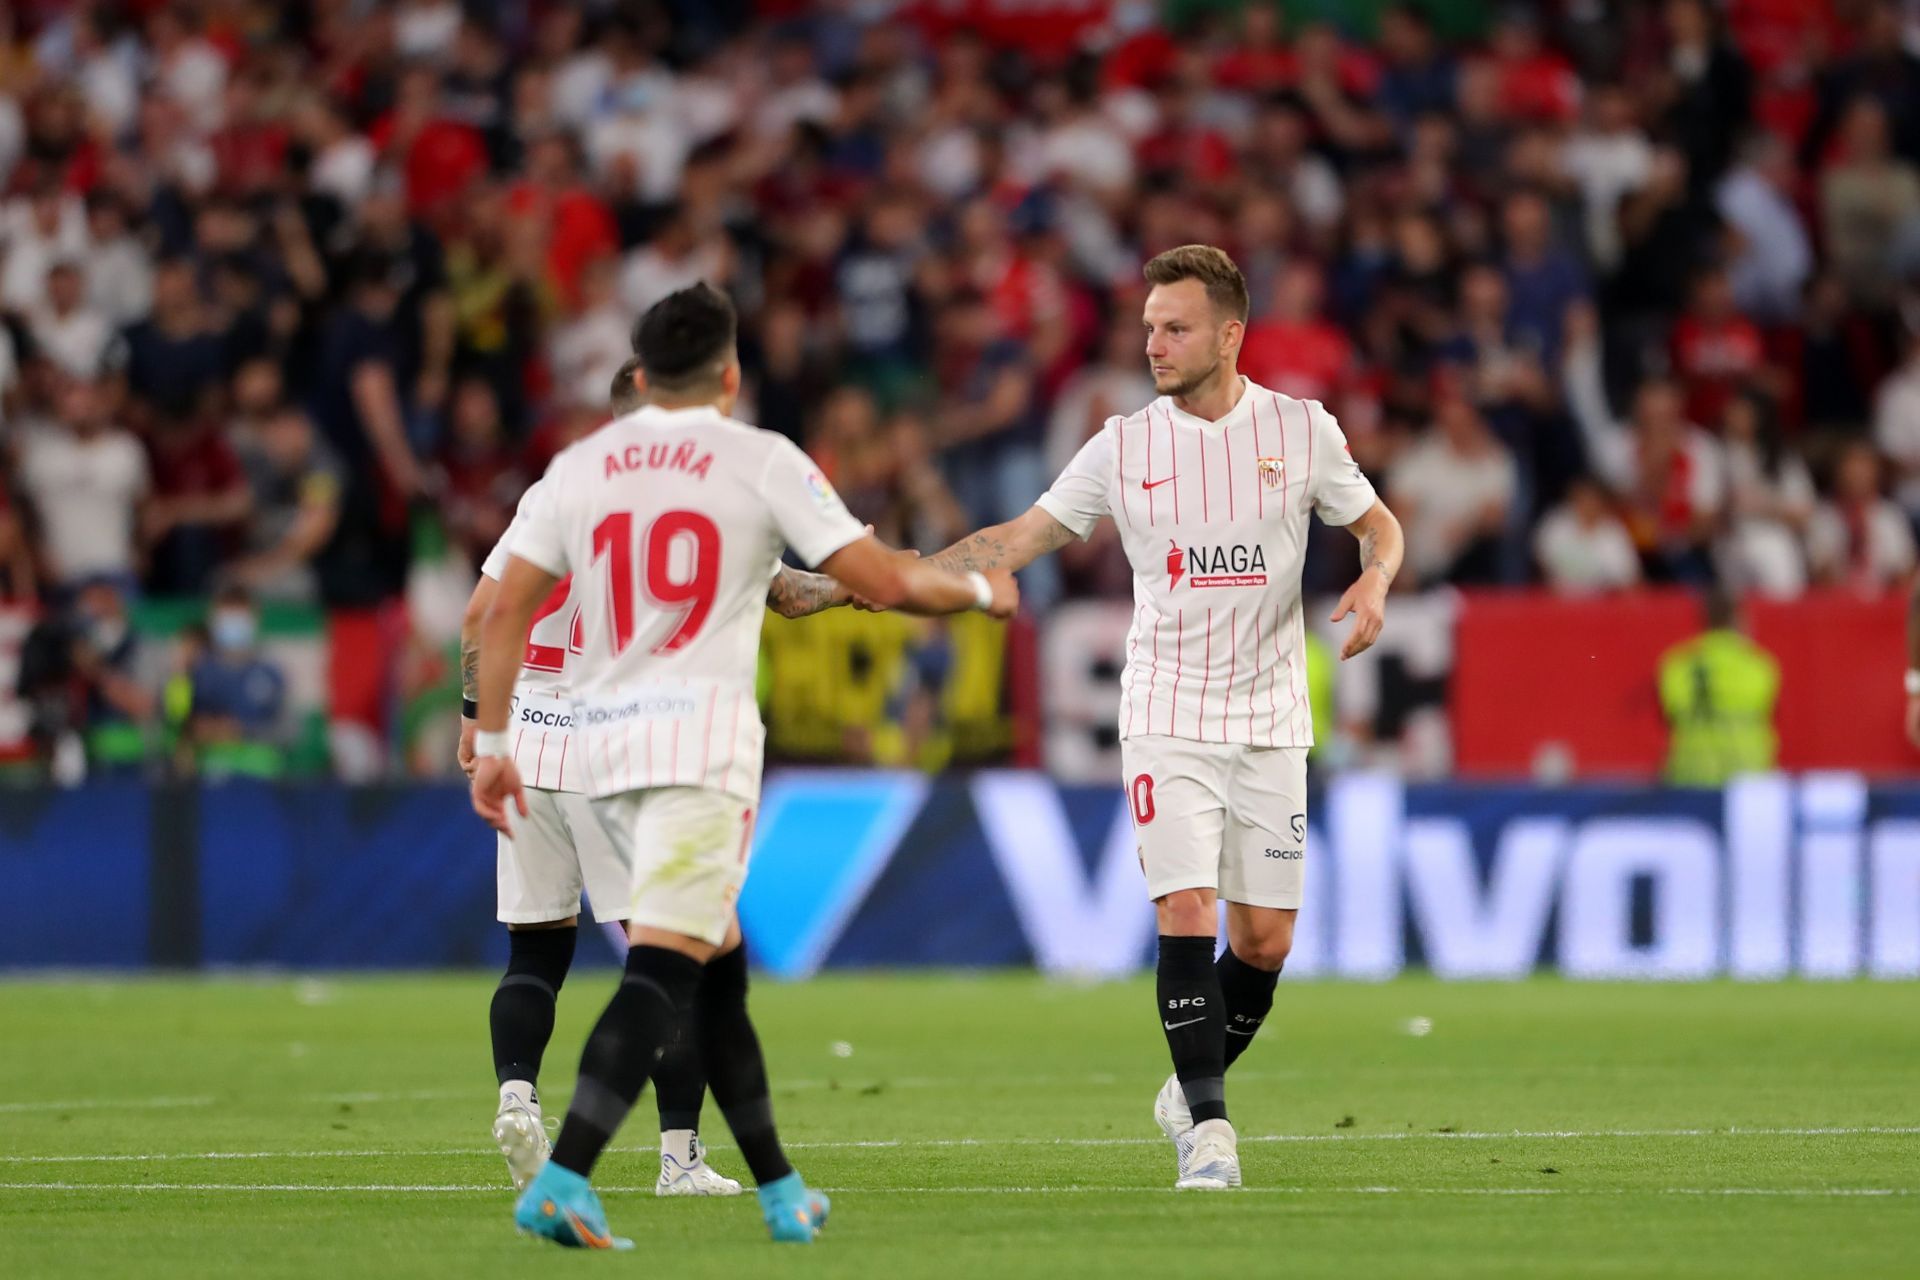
[688, 849]
[556, 850]
[1221, 816]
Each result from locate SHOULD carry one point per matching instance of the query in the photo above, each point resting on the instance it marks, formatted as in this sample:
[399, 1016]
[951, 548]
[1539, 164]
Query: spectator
[1543, 278]
[87, 482]
[1859, 539]
[1772, 257]
[1112, 386]
[479, 481]
[1770, 499]
[586, 351]
[297, 484]
[1608, 159]
[1295, 349]
[1669, 474]
[1716, 350]
[1582, 547]
[177, 354]
[1454, 492]
[79, 340]
[1866, 200]
[1706, 90]
[238, 697]
[118, 267]
[676, 257]
[78, 674]
[200, 502]
[37, 231]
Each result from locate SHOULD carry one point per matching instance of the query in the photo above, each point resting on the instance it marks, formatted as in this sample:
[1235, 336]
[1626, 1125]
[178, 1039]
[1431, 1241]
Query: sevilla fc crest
[1270, 471]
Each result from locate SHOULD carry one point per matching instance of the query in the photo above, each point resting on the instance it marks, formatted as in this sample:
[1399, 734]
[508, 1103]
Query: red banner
[1533, 671]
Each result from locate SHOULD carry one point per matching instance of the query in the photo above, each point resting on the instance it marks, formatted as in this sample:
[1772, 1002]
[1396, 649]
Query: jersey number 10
[692, 594]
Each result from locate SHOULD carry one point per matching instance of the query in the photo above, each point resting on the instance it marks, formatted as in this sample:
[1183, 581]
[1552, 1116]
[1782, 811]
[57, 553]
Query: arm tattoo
[470, 668]
[982, 551]
[991, 549]
[1368, 560]
[796, 594]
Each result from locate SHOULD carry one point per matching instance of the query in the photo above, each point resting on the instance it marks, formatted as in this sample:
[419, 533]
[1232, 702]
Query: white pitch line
[1828, 1131]
[495, 1189]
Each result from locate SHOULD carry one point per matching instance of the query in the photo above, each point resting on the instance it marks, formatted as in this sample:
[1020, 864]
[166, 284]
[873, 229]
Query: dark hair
[625, 397]
[1226, 287]
[683, 335]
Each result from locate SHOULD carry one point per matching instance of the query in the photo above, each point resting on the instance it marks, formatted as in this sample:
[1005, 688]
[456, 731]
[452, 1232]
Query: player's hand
[465, 753]
[1366, 600]
[496, 783]
[1913, 720]
[865, 605]
[1006, 594]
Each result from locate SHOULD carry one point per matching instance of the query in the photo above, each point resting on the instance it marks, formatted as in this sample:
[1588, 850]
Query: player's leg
[1262, 876]
[724, 1033]
[1177, 793]
[1258, 940]
[689, 853]
[679, 1079]
[539, 900]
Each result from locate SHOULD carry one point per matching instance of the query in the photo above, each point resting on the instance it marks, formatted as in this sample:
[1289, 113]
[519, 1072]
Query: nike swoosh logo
[1175, 1026]
[588, 1236]
[1155, 484]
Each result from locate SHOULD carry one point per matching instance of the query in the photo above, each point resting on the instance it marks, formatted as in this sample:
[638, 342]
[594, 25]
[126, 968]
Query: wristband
[490, 744]
[469, 709]
[982, 590]
[1913, 684]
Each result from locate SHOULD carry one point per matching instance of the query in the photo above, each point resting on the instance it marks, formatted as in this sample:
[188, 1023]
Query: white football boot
[1171, 1114]
[1212, 1161]
[684, 1170]
[521, 1137]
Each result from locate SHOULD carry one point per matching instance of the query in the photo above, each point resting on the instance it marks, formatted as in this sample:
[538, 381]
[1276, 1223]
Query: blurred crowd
[1601, 293]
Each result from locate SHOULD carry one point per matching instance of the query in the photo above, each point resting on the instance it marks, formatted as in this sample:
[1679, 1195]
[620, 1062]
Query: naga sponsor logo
[1237, 565]
[661, 707]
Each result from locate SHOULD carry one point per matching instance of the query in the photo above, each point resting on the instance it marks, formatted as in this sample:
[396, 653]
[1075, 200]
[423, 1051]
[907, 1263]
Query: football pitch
[987, 1126]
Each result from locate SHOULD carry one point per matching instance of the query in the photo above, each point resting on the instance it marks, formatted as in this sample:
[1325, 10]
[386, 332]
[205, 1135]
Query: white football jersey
[667, 520]
[542, 719]
[1213, 516]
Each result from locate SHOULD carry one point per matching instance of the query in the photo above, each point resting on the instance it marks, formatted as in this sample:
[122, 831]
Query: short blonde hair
[1226, 287]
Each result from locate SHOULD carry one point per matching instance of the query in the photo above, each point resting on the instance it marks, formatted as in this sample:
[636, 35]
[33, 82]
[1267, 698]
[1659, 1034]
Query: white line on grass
[495, 1189]
[1841, 1131]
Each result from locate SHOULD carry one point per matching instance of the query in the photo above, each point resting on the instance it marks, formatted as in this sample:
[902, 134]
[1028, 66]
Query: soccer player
[1211, 486]
[670, 519]
[558, 848]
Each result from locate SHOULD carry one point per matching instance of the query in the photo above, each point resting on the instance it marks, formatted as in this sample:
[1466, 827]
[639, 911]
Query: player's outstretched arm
[1382, 545]
[503, 640]
[1011, 546]
[891, 579]
[795, 593]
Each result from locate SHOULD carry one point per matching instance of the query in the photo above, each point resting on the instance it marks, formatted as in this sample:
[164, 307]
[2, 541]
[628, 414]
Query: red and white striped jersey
[1213, 516]
[542, 719]
[667, 521]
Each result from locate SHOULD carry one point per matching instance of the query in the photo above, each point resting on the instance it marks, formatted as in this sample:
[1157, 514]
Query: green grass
[1644, 1130]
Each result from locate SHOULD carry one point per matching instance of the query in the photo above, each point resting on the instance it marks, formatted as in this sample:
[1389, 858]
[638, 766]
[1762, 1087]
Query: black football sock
[1192, 1013]
[736, 1070]
[622, 1050]
[522, 1013]
[680, 1078]
[1249, 995]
